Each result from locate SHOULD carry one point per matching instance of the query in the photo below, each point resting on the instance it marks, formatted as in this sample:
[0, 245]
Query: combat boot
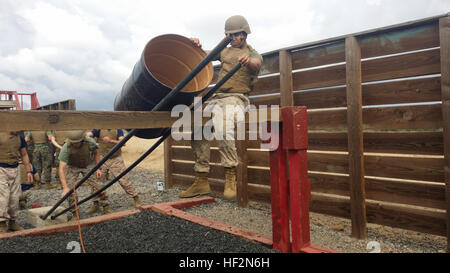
[95, 207]
[3, 227]
[107, 209]
[49, 186]
[230, 183]
[137, 202]
[37, 185]
[14, 226]
[199, 187]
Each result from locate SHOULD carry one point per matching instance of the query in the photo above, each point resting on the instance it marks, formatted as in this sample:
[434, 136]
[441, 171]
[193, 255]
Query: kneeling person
[77, 157]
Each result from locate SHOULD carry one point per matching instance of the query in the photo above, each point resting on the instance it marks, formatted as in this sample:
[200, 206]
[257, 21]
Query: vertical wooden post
[355, 138]
[168, 162]
[295, 140]
[286, 85]
[444, 35]
[279, 191]
[242, 174]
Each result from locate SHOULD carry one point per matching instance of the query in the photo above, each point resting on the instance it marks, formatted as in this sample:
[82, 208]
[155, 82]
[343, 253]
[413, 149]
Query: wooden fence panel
[404, 163]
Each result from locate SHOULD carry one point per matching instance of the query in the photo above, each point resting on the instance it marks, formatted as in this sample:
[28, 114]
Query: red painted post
[295, 140]
[279, 197]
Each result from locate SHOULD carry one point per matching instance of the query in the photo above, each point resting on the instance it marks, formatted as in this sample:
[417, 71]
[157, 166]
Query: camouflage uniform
[235, 93]
[114, 165]
[80, 161]
[42, 156]
[10, 191]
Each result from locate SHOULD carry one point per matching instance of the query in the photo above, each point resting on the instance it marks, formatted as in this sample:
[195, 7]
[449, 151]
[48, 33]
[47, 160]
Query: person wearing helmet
[115, 165]
[78, 156]
[12, 149]
[233, 93]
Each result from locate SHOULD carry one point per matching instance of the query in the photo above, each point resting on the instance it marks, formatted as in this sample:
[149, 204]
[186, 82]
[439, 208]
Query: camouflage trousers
[10, 192]
[115, 166]
[223, 125]
[73, 175]
[57, 151]
[42, 161]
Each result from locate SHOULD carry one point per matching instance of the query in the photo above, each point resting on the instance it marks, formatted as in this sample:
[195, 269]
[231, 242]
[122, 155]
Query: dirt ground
[135, 147]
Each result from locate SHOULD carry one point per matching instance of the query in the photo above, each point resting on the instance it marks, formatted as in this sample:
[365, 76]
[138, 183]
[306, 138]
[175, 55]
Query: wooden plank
[266, 85]
[404, 142]
[427, 143]
[400, 40]
[355, 139]
[426, 221]
[414, 168]
[387, 190]
[408, 91]
[71, 120]
[409, 65]
[286, 90]
[318, 78]
[408, 218]
[444, 36]
[242, 175]
[314, 56]
[403, 117]
[394, 67]
[325, 98]
[402, 167]
[168, 167]
[382, 118]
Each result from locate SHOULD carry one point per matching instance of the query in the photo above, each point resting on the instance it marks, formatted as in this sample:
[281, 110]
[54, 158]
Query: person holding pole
[78, 156]
[233, 93]
[115, 165]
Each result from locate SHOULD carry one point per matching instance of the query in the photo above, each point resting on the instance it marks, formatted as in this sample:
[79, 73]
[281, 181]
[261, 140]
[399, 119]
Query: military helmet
[76, 136]
[235, 24]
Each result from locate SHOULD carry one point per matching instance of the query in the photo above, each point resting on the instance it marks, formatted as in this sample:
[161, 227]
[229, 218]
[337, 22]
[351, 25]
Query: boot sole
[190, 196]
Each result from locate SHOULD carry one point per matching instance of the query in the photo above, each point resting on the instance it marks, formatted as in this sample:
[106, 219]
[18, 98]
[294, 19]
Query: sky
[86, 49]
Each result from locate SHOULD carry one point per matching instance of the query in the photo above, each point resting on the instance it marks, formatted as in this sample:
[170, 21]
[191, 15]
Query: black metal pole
[208, 58]
[166, 134]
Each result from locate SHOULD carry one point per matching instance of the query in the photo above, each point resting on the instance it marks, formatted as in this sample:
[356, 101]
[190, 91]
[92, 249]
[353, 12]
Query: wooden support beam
[444, 36]
[74, 120]
[286, 85]
[242, 174]
[355, 138]
[168, 164]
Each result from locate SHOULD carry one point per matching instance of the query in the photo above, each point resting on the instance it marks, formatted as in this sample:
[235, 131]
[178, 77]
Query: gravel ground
[326, 231]
[126, 235]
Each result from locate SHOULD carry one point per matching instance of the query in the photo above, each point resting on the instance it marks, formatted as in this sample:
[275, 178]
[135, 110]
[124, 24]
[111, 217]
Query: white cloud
[86, 49]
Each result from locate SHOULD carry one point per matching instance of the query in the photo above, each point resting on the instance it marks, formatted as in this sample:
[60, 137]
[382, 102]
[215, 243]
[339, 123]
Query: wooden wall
[378, 119]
